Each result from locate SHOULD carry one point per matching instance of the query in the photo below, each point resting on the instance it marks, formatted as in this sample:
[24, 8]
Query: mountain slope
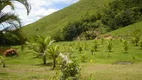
[126, 31]
[49, 25]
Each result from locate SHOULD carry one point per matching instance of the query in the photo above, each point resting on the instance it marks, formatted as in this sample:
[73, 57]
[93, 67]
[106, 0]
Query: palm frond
[9, 18]
[26, 4]
[52, 41]
[4, 3]
[53, 52]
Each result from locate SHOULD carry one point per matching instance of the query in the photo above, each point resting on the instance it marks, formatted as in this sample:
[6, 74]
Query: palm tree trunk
[44, 59]
[54, 63]
[3, 64]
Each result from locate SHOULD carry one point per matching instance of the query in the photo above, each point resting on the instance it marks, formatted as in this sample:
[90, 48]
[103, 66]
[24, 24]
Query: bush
[136, 37]
[2, 61]
[92, 51]
[109, 46]
[70, 71]
[9, 39]
[83, 57]
[80, 48]
[96, 44]
[125, 45]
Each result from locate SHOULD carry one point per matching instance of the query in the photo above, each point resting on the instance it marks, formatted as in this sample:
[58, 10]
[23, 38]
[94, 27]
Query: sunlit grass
[102, 65]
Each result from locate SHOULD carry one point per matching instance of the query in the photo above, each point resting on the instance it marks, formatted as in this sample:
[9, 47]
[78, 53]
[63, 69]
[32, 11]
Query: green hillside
[50, 24]
[126, 31]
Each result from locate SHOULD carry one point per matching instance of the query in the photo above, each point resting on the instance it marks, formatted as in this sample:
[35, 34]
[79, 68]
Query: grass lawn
[103, 65]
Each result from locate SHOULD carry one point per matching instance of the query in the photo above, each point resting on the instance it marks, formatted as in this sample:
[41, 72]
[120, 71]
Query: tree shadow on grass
[123, 62]
[3, 74]
[47, 64]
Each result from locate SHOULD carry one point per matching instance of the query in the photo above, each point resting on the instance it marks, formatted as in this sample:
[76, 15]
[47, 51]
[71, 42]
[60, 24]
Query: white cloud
[64, 1]
[40, 8]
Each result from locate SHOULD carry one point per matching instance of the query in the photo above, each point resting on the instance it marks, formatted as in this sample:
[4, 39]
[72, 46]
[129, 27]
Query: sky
[39, 9]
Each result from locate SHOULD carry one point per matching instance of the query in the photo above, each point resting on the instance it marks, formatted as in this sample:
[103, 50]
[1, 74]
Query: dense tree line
[121, 13]
[117, 14]
[9, 39]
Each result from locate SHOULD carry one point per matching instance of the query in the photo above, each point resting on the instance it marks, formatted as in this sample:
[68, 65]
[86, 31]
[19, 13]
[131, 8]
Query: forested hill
[87, 19]
[52, 23]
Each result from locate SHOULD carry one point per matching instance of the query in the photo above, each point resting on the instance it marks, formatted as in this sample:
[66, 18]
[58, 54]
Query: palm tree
[2, 61]
[53, 52]
[11, 19]
[40, 46]
[44, 44]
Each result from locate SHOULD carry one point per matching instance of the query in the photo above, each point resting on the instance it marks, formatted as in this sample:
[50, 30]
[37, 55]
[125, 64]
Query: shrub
[96, 44]
[125, 45]
[83, 57]
[92, 51]
[2, 61]
[88, 35]
[102, 40]
[70, 71]
[135, 40]
[136, 37]
[109, 46]
[85, 46]
[80, 48]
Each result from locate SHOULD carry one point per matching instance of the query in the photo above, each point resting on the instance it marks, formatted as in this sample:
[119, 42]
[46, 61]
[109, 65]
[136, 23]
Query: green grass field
[103, 65]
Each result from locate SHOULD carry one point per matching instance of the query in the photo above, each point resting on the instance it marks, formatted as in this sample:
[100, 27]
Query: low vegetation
[84, 60]
[2, 61]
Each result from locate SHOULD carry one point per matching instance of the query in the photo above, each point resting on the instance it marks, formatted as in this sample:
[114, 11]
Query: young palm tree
[125, 45]
[2, 61]
[40, 46]
[109, 46]
[53, 52]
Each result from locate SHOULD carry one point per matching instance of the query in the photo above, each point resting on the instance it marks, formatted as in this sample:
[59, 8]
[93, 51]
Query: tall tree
[9, 20]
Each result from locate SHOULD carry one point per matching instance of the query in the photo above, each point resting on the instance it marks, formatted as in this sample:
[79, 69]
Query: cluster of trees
[121, 13]
[74, 29]
[9, 39]
[117, 14]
